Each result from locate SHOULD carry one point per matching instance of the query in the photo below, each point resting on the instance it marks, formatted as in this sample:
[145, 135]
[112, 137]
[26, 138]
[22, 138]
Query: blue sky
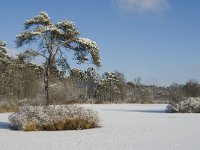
[158, 40]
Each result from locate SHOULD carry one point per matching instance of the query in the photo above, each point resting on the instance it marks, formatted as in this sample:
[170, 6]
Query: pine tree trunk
[46, 81]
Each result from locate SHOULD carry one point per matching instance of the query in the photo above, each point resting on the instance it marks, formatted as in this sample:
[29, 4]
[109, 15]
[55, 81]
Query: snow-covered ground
[123, 127]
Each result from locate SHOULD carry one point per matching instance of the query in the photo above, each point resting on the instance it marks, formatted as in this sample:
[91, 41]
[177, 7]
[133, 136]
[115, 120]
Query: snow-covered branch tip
[42, 19]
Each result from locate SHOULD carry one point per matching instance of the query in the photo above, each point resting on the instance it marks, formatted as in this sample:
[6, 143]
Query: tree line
[22, 81]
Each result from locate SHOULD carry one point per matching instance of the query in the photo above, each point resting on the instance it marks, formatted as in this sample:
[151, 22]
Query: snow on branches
[53, 40]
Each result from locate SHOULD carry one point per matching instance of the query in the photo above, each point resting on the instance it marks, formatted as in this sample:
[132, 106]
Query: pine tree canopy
[54, 39]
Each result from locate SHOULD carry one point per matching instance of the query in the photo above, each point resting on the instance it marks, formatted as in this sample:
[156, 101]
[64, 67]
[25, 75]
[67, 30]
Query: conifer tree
[52, 41]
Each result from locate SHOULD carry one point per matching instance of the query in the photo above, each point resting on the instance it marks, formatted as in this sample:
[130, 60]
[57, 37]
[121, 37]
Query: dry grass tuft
[189, 105]
[7, 107]
[39, 118]
[30, 126]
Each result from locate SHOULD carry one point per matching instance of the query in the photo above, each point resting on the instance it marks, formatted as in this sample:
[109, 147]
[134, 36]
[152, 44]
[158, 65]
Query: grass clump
[189, 105]
[52, 118]
[7, 107]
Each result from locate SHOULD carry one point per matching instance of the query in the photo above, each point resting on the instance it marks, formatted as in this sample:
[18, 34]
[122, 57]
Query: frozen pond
[123, 127]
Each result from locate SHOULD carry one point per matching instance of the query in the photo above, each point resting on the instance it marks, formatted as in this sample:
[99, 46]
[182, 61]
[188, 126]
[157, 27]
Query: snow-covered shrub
[189, 105]
[6, 106]
[68, 117]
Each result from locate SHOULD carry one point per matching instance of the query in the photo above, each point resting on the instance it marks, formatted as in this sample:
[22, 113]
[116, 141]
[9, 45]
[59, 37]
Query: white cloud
[142, 5]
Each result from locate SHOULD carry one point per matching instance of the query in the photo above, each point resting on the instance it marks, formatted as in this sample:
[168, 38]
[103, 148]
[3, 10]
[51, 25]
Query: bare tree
[191, 88]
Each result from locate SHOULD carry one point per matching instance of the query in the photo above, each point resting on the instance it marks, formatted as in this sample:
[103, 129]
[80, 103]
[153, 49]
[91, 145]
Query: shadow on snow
[141, 111]
[5, 125]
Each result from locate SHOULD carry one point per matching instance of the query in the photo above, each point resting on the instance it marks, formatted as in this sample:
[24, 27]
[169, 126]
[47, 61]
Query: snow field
[123, 127]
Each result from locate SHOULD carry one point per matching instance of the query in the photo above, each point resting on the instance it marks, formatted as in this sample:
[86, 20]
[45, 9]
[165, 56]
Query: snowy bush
[6, 106]
[69, 117]
[190, 105]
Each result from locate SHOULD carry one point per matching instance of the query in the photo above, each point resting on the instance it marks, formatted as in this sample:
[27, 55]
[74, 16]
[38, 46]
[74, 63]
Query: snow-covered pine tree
[53, 40]
[3, 47]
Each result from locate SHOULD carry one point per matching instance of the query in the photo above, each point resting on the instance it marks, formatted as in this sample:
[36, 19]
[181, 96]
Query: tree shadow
[140, 111]
[5, 125]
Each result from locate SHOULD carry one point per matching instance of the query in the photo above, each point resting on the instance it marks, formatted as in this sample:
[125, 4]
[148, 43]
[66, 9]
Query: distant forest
[22, 82]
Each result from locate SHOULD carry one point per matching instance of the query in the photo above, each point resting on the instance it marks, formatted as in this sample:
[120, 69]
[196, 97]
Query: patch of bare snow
[123, 127]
